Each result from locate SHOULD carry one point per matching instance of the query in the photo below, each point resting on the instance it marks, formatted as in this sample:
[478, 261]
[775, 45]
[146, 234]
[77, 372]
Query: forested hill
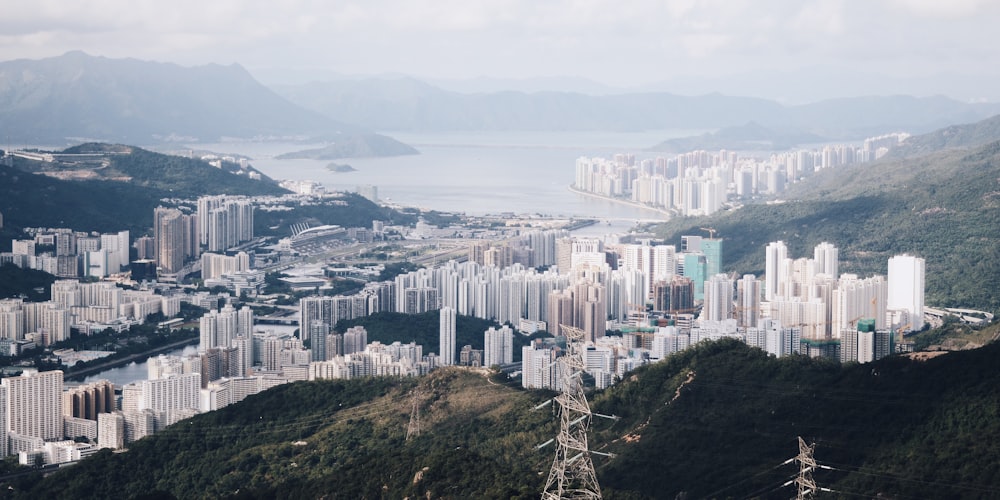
[119, 194]
[964, 136]
[943, 207]
[715, 421]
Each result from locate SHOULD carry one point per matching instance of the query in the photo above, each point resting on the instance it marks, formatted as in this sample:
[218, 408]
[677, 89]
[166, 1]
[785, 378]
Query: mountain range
[77, 97]
[407, 104]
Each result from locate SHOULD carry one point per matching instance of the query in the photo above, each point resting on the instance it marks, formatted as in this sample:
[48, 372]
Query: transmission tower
[805, 482]
[413, 429]
[572, 474]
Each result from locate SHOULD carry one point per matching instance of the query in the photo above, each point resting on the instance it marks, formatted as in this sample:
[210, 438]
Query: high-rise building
[774, 276]
[674, 296]
[712, 248]
[175, 392]
[34, 404]
[857, 299]
[90, 400]
[747, 301]
[827, 259]
[111, 430]
[696, 267]
[718, 298]
[906, 290]
[169, 235]
[447, 336]
[315, 310]
[537, 368]
[499, 346]
[355, 339]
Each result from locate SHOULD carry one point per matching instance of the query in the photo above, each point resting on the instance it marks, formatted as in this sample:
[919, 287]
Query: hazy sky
[838, 46]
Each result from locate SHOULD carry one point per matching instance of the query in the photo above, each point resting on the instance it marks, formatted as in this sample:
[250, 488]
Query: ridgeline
[715, 421]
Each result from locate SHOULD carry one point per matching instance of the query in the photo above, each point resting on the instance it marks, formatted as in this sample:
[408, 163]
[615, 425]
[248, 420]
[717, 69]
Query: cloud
[638, 40]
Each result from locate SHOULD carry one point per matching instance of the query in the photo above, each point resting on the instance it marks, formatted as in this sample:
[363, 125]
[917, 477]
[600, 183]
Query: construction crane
[711, 232]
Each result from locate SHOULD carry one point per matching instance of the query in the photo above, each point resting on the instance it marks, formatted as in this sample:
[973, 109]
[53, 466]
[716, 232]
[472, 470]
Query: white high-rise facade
[34, 405]
[906, 289]
[175, 392]
[447, 336]
[499, 346]
[827, 259]
[774, 274]
[856, 299]
[747, 301]
[718, 298]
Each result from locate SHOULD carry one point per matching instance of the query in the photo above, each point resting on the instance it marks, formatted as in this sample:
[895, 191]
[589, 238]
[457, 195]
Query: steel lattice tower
[805, 481]
[413, 428]
[572, 474]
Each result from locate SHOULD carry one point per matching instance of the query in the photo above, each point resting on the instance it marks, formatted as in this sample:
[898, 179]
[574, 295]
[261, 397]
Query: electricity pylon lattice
[413, 429]
[572, 474]
[807, 464]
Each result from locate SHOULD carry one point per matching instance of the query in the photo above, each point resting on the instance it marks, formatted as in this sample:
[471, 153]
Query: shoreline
[621, 201]
[78, 376]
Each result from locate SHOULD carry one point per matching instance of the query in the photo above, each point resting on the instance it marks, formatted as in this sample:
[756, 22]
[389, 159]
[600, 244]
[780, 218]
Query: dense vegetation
[35, 285]
[715, 421]
[350, 210]
[424, 329]
[179, 176]
[942, 207]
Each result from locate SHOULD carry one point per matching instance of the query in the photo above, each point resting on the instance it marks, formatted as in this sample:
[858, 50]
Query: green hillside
[424, 329]
[715, 421]
[968, 135]
[943, 207]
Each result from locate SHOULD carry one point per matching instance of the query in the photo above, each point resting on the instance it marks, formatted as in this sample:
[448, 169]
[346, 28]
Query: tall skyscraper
[906, 289]
[774, 276]
[169, 234]
[447, 336]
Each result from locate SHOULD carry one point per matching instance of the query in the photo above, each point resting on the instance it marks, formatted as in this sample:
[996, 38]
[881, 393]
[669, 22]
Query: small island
[339, 168]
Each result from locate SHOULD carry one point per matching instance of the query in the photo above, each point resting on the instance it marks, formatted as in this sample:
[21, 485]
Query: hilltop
[117, 191]
[717, 420]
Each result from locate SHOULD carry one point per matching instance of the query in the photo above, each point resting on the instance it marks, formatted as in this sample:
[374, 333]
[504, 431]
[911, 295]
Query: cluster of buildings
[701, 182]
[86, 307]
[70, 254]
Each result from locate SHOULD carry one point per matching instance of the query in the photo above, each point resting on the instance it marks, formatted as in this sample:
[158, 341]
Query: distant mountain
[749, 137]
[718, 420]
[406, 104]
[77, 96]
[968, 135]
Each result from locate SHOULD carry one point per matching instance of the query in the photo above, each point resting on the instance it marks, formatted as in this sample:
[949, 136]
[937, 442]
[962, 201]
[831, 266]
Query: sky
[790, 50]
